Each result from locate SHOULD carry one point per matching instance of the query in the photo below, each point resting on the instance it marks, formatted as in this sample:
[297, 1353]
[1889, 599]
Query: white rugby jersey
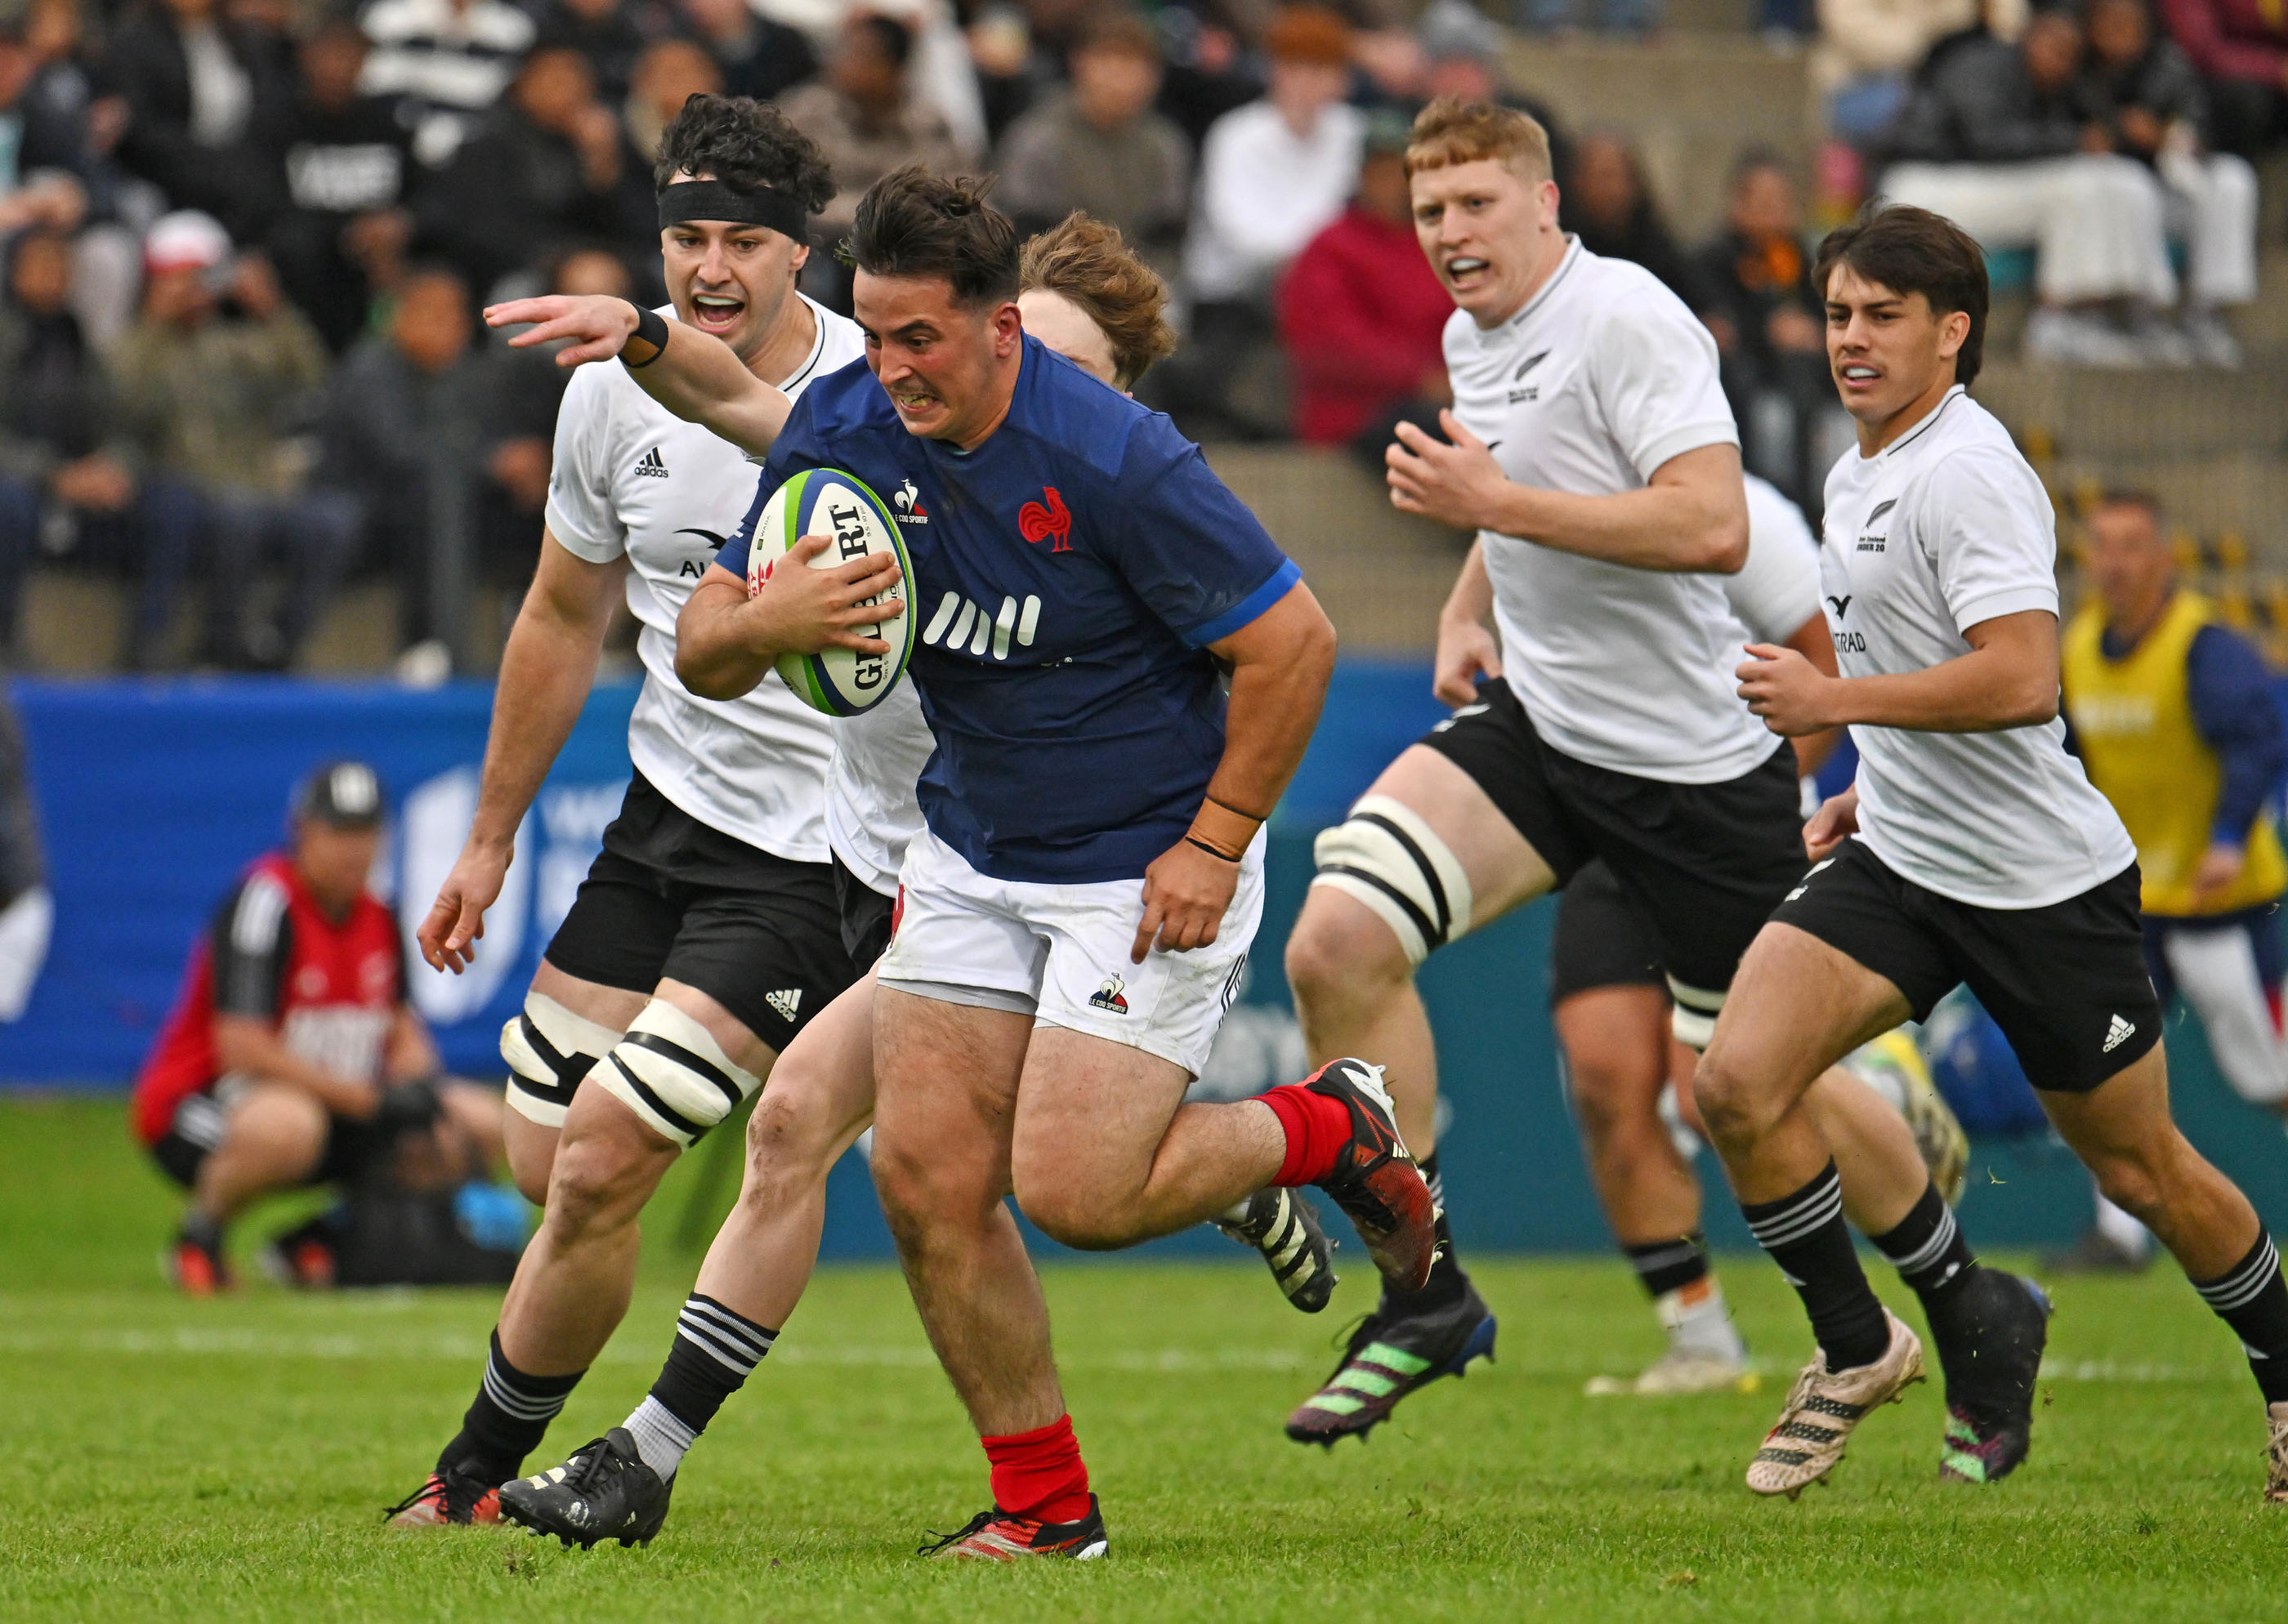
[1777, 590]
[1943, 528]
[1600, 380]
[633, 479]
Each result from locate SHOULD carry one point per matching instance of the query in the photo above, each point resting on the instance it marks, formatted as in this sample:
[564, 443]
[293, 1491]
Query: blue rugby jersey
[1069, 573]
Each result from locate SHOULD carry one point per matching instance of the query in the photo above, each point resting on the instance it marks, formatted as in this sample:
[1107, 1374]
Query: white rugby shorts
[1059, 953]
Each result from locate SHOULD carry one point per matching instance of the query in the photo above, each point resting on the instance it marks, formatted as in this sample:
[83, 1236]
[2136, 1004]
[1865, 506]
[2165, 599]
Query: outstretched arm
[694, 375]
[1690, 517]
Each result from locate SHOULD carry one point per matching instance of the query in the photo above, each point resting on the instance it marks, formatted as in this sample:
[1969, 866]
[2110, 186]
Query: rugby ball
[841, 682]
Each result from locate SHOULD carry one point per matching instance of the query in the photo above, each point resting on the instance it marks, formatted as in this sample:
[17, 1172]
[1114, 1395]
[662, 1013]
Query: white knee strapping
[2216, 970]
[1388, 858]
[1692, 1014]
[673, 1075]
[549, 1049]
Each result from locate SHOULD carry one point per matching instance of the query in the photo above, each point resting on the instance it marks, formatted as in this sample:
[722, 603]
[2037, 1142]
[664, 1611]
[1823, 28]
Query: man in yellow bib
[2175, 720]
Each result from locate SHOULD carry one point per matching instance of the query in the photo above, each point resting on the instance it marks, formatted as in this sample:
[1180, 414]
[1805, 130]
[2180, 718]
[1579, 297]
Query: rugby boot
[1285, 1227]
[1390, 1355]
[604, 1491]
[2275, 1455]
[1990, 1355]
[1680, 1370]
[456, 1497]
[194, 1262]
[1823, 1407]
[1375, 1182]
[998, 1536]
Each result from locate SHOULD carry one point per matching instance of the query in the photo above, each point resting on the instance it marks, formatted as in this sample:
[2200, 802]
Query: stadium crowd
[245, 239]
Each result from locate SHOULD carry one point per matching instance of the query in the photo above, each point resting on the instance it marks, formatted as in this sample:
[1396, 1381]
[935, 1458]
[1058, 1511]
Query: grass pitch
[227, 1460]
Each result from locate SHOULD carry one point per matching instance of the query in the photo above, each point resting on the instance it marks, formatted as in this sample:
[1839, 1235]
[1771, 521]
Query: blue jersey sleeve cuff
[1248, 609]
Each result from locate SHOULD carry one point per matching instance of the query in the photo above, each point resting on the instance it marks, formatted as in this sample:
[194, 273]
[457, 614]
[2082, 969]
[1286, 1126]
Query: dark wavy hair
[747, 145]
[1912, 250]
[912, 223]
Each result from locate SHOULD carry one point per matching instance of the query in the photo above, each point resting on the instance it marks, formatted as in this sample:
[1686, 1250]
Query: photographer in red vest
[293, 1057]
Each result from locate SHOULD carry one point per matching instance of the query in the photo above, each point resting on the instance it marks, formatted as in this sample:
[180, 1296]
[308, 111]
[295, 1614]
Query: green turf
[226, 1459]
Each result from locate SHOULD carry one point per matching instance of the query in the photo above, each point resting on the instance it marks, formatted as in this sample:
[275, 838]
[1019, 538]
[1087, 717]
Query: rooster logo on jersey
[1036, 524]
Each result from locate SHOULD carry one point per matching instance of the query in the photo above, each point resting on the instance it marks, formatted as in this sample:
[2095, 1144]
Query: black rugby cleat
[604, 1491]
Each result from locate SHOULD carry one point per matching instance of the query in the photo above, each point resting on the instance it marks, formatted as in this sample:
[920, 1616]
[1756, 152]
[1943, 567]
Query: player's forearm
[1676, 528]
[1985, 691]
[702, 380]
[547, 672]
[245, 1044]
[1811, 640]
[1276, 694]
[1471, 603]
[718, 655]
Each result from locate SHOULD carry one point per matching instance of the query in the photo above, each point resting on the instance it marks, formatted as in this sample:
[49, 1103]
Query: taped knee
[673, 1074]
[549, 1049]
[1392, 860]
[1692, 1013]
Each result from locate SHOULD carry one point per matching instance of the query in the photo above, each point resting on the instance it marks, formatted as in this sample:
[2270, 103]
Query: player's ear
[1008, 325]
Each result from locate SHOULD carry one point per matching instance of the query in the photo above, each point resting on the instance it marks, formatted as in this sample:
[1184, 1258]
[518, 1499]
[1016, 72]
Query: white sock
[1698, 1322]
[661, 1438]
[2123, 1231]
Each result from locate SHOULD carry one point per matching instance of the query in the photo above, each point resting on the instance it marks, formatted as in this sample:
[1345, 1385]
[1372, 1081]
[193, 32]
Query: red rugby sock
[1039, 1473]
[1317, 1129]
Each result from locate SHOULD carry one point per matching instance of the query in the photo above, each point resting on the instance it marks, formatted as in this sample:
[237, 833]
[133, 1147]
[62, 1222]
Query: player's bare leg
[1768, 1095]
[1353, 978]
[531, 1146]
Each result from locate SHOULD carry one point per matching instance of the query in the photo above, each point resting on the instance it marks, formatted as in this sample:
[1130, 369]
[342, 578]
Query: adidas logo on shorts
[2118, 1034]
[785, 1003]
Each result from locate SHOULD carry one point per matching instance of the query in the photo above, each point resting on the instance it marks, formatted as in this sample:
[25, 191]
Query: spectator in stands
[667, 74]
[865, 118]
[758, 57]
[400, 435]
[348, 173]
[69, 127]
[209, 383]
[1997, 140]
[1100, 147]
[294, 1056]
[205, 94]
[2242, 47]
[549, 169]
[1208, 72]
[2148, 99]
[449, 61]
[1606, 203]
[1769, 324]
[68, 483]
[1361, 314]
[1275, 172]
[1869, 51]
[1462, 51]
[602, 30]
[2176, 724]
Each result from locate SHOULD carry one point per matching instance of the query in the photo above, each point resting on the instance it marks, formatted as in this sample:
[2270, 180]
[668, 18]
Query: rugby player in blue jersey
[1075, 917]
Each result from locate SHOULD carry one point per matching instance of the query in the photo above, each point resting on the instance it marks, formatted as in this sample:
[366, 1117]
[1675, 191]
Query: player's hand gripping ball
[841, 682]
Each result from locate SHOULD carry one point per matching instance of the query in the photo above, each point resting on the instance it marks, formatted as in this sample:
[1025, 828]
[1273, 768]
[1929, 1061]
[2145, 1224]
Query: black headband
[712, 200]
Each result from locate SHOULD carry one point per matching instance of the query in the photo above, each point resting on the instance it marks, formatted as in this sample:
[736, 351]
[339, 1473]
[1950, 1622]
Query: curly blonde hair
[1082, 260]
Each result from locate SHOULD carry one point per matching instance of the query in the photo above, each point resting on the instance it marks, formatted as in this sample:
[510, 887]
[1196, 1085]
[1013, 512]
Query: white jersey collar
[1922, 425]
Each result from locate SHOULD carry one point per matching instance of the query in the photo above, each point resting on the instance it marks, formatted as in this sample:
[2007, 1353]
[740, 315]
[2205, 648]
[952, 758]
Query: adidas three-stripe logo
[786, 1002]
[2119, 1033]
[650, 467]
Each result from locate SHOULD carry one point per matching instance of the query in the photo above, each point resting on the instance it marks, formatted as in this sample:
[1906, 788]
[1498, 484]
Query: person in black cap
[293, 1057]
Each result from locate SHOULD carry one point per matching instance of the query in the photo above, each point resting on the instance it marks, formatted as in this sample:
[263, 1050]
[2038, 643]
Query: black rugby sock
[1929, 1251]
[1669, 1265]
[509, 1418]
[715, 1350]
[2253, 1300]
[1808, 1238]
[1447, 1284]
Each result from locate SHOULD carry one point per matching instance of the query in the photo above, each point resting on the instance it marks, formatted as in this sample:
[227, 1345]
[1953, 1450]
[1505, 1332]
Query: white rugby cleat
[1823, 1407]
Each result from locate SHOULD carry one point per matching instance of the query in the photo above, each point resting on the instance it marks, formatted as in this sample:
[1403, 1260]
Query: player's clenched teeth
[1465, 265]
